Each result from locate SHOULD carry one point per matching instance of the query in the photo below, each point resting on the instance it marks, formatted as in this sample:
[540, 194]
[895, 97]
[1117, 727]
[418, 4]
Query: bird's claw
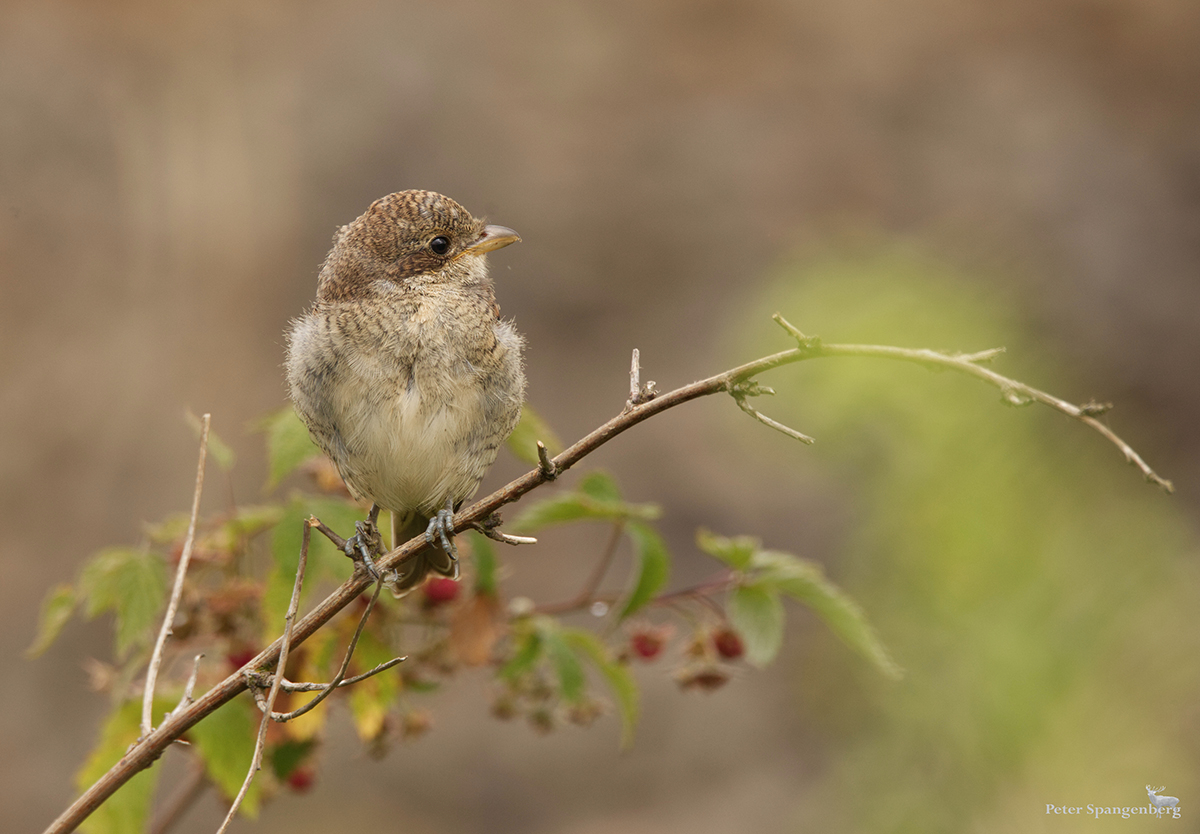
[441, 529]
[363, 544]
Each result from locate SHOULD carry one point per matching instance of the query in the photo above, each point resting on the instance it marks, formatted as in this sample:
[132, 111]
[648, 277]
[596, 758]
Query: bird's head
[410, 237]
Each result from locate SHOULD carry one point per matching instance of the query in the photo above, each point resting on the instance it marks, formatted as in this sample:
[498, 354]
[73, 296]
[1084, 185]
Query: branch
[151, 747]
[1013, 392]
[177, 590]
[285, 647]
[340, 677]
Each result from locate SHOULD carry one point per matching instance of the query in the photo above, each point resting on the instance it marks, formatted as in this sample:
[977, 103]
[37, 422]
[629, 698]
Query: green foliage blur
[1041, 597]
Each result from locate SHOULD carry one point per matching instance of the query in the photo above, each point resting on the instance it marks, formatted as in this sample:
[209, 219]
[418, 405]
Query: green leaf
[246, 522]
[653, 567]
[757, 614]
[324, 560]
[572, 684]
[129, 808]
[171, 529]
[57, 608]
[532, 428]
[558, 509]
[218, 449]
[483, 554]
[596, 498]
[529, 650]
[371, 699]
[806, 582]
[225, 741]
[131, 583]
[288, 444]
[600, 486]
[616, 674]
[735, 552]
[289, 754]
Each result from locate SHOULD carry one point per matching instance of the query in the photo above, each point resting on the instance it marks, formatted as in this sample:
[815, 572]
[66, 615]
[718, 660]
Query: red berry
[647, 644]
[728, 644]
[301, 779]
[440, 589]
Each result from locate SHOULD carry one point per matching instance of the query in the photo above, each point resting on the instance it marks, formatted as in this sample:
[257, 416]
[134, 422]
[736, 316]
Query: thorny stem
[150, 748]
[176, 591]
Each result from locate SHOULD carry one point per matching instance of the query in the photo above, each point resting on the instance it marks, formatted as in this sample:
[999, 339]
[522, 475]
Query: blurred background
[928, 173]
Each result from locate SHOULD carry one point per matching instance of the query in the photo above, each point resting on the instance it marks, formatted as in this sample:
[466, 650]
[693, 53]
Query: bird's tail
[411, 573]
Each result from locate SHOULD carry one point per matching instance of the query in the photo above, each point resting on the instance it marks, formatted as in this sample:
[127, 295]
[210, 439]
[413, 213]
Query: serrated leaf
[806, 582]
[616, 675]
[288, 444]
[131, 583]
[225, 741]
[483, 556]
[57, 608]
[218, 450]
[653, 565]
[532, 428]
[756, 613]
[572, 684]
[129, 808]
[735, 552]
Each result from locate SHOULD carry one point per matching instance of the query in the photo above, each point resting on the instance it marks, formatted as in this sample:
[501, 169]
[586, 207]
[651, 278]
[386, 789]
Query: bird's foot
[441, 530]
[364, 544]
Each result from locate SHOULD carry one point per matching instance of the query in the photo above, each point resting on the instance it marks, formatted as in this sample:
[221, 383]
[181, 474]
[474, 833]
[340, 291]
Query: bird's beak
[492, 237]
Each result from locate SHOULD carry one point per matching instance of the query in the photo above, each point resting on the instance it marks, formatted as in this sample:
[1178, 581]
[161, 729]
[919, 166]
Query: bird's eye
[440, 245]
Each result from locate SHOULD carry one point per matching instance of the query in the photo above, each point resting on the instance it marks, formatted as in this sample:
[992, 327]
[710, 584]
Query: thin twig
[753, 389]
[341, 675]
[329, 533]
[177, 590]
[638, 393]
[721, 582]
[547, 467]
[288, 686]
[587, 595]
[186, 699]
[285, 647]
[145, 753]
[635, 378]
[1013, 392]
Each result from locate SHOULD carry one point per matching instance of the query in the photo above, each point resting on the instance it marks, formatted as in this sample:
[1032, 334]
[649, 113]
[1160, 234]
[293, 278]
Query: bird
[405, 373]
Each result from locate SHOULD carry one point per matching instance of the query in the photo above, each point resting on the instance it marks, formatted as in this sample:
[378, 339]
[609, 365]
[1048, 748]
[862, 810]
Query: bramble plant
[250, 570]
